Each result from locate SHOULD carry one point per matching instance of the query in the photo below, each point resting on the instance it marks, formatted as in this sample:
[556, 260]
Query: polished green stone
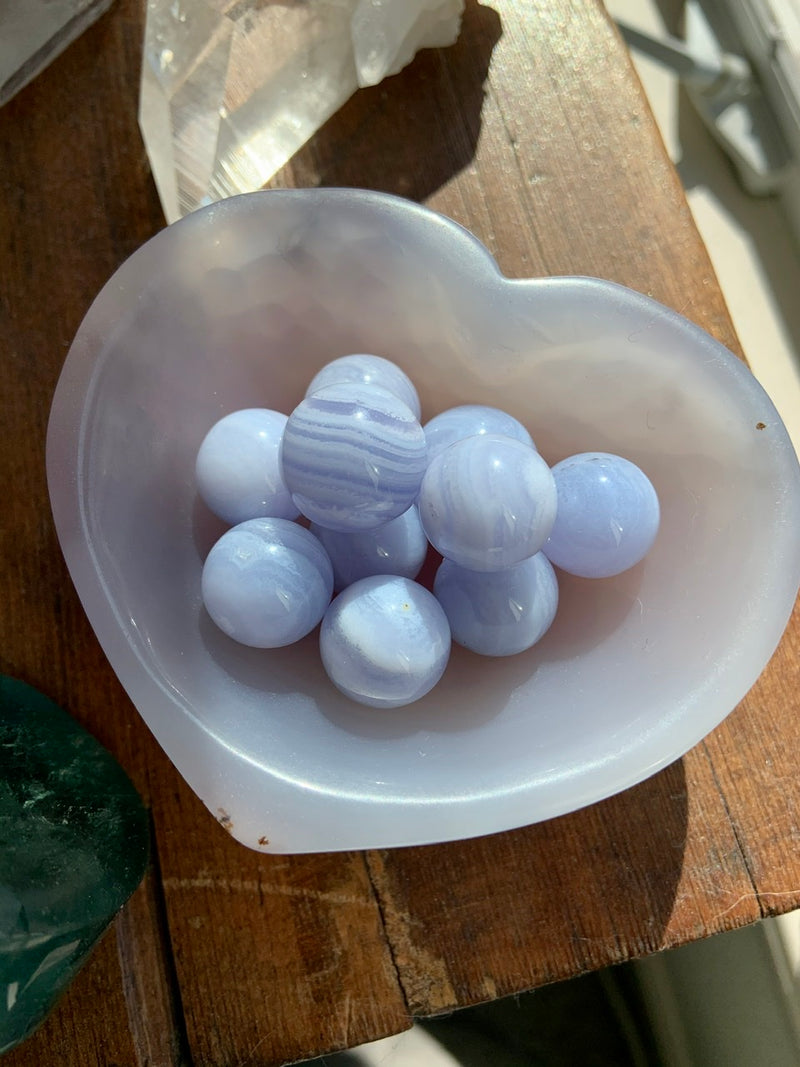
[73, 847]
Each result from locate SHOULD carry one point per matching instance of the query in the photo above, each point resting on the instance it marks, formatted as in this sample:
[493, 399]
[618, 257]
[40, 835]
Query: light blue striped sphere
[353, 457]
[608, 515]
[500, 613]
[470, 420]
[267, 582]
[238, 470]
[367, 370]
[385, 641]
[487, 502]
[399, 547]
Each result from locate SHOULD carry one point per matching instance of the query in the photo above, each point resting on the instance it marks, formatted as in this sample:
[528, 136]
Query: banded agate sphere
[471, 420]
[353, 457]
[487, 502]
[364, 369]
[385, 641]
[238, 470]
[608, 515]
[498, 613]
[267, 582]
[398, 547]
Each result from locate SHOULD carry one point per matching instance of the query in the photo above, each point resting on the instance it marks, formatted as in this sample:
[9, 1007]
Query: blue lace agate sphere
[500, 613]
[487, 502]
[385, 641]
[470, 420]
[267, 582]
[399, 547]
[238, 470]
[608, 515]
[368, 370]
[353, 457]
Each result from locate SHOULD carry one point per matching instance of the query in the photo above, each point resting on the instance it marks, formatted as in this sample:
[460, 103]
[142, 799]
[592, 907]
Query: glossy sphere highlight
[487, 502]
[608, 515]
[399, 547]
[470, 420]
[238, 468]
[353, 457]
[267, 583]
[501, 613]
[368, 370]
[385, 641]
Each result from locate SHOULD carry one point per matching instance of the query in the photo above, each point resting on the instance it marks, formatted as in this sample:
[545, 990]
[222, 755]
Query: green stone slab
[73, 847]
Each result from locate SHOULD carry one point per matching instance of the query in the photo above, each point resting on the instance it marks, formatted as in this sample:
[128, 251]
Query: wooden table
[533, 132]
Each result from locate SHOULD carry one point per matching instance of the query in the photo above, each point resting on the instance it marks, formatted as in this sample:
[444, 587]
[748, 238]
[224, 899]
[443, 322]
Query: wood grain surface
[532, 131]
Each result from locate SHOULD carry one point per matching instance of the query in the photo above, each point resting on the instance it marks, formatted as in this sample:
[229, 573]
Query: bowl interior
[238, 306]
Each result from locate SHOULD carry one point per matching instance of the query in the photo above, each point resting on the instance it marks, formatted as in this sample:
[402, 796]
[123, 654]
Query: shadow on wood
[563, 915]
[413, 132]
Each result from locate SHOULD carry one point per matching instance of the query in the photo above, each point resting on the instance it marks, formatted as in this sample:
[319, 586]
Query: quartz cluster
[231, 89]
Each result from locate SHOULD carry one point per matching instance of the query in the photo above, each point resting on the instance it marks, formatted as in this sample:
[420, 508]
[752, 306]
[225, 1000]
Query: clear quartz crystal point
[231, 90]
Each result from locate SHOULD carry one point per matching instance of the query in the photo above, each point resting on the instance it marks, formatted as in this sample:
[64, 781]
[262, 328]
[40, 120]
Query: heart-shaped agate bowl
[238, 305]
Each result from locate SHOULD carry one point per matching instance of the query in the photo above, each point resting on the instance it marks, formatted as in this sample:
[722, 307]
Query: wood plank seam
[390, 947]
[735, 830]
[150, 986]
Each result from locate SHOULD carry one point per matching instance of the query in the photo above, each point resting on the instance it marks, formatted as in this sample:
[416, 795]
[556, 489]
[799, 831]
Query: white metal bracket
[728, 96]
